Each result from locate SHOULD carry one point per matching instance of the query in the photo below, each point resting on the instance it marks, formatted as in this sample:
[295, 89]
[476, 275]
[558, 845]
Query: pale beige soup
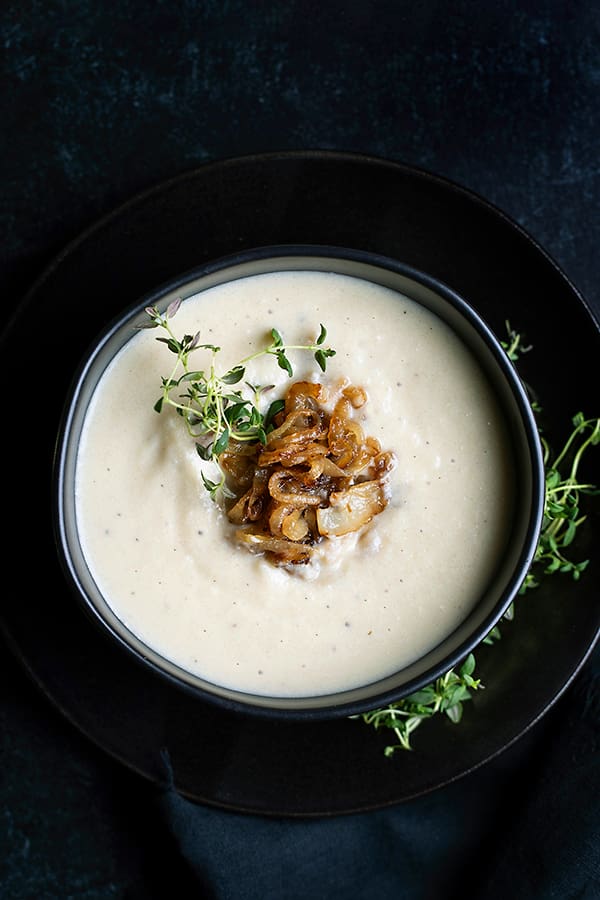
[162, 552]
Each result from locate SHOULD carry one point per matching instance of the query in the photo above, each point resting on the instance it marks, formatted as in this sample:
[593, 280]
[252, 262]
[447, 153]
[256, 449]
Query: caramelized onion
[239, 463]
[351, 509]
[356, 395]
[282, 551]
[294, 525]
[304, 395]
[250, 506]
[317, 476]
[287, 489]
[293, 454]
[299, 426]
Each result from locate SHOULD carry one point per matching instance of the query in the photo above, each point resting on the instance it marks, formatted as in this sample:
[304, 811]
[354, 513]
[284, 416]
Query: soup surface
[163, 553]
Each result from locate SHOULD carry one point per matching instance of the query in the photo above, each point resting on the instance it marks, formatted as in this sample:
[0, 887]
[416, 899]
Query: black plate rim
[122, 209]
[301, 154]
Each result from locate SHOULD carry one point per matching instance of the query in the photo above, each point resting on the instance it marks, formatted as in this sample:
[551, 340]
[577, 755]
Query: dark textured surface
[98, 102]
[502, 97]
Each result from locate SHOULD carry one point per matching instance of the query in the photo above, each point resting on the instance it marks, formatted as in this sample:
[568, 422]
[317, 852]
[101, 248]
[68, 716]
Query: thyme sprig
[214, 412]
[561, 519]
[514, 346]
[562, 501]
[446, 695]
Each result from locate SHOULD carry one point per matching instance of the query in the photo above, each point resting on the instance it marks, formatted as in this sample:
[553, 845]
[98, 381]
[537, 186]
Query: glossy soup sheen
[163, 554]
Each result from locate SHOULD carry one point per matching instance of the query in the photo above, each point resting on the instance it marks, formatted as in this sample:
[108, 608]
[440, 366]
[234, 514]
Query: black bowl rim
[237, 701]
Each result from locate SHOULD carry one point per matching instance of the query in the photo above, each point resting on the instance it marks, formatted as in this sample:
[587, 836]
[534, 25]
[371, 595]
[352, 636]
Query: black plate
[225, 759]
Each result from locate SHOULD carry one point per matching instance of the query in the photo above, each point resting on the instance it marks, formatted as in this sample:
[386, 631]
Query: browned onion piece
[346, 439]
[314, 471]
[238, 512]
[294, 526]
[331, 470]
[277, 515]
[339, 429]
[282, 551]
[304, 395]
[373, 444]
[239, 463]
[351, 509]
[358, 463]
[250, 506]
[291, 453]
[383, 464]
[301, 425]
[287, 490]
[356, 395]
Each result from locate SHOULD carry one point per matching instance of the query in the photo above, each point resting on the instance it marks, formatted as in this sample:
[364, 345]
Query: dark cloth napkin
[525, 827]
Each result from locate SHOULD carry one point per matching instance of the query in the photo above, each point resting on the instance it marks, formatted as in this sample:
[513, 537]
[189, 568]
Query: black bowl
[527, 463]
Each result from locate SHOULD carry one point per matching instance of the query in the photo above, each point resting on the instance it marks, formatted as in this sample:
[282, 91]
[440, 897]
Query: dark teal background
[101, 100]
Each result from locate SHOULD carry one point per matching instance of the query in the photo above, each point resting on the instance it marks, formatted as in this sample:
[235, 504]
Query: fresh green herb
[214, 413]
[562, 518]
[446, 695]
[562, 491]
[514, 345]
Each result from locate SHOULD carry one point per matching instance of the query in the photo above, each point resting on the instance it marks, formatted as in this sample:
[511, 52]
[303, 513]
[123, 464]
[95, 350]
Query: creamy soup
[163, 554]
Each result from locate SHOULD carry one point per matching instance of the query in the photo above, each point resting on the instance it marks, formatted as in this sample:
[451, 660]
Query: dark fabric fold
[525, 826]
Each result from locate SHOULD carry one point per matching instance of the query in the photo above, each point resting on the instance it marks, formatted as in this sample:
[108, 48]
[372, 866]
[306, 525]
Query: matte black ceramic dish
[224, 758]
[527, 475]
